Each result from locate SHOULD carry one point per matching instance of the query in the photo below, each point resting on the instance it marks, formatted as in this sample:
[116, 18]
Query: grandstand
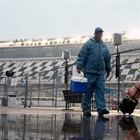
[48, 66]
[44, 55]
[42, 48]
[41, 58]
[53, 47]
[40, 62]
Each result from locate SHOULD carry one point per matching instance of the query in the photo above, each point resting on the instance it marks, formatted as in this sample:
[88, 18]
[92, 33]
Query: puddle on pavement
[68, 127]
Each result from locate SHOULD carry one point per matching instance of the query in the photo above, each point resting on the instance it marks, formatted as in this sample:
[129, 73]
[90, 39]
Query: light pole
[1, 69]
[26, 91]
[5, 87]
[118, 74]
[39, 88]
[66, 74]
[66, 55]
[53, 90]
[56, 87]
[9, 75]
[117, 40]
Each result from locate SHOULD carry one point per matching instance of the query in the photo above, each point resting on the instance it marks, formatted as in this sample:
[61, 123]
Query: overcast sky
[22, 19]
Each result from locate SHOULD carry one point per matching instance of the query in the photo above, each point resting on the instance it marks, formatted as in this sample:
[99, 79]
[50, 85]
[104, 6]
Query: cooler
[78, 84]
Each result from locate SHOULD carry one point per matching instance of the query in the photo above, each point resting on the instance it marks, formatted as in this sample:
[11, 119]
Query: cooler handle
[82, 76]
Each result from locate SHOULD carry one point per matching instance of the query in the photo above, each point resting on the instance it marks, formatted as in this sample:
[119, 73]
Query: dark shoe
[87, 114]
[104, 112]
[104, 119]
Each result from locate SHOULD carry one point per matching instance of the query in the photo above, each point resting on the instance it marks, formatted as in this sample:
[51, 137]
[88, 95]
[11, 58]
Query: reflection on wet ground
[68, 127]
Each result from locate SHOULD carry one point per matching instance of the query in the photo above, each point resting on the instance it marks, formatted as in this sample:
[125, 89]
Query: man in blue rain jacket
[94, 60]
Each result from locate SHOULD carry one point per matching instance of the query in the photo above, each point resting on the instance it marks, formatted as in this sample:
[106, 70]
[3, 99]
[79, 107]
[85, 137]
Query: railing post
[26, 91]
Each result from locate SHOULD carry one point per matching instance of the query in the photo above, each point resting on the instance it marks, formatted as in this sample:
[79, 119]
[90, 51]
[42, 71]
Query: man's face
[98, 35]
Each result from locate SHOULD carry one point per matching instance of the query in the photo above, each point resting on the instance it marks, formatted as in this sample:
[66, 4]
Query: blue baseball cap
[98, 29]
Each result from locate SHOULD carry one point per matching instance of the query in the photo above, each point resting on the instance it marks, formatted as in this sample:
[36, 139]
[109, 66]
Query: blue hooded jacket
[94, 57]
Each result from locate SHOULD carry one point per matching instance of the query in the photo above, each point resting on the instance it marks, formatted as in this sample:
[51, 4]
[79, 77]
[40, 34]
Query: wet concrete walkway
[48, 110]
[49, 123]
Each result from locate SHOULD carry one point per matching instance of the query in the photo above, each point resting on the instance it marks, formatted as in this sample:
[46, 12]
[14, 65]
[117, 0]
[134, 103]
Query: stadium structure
[41, 58]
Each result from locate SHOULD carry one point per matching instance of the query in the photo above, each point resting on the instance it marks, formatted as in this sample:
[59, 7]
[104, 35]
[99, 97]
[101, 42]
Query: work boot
[104, 112]
[104, 119]
[87, 114]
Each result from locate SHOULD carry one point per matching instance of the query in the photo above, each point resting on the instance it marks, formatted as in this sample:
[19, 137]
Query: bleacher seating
[47, 58]
[48, 66]
[55, 50]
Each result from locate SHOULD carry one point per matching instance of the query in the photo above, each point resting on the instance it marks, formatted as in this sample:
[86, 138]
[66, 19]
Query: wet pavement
[55, 124]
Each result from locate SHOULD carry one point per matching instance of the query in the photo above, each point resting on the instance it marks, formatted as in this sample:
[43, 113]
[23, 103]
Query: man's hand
[107, 74]
[79, 70]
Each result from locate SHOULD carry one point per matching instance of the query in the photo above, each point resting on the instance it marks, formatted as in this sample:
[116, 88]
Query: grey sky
[42, 18]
